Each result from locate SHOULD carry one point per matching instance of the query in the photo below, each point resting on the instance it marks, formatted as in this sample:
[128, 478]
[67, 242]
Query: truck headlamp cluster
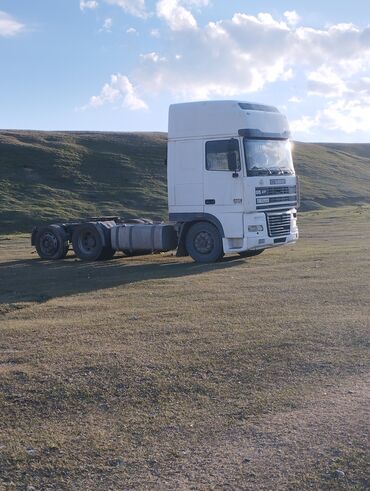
[255, 228]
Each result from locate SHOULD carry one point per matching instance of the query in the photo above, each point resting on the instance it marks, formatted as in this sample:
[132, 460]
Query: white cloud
[177, 17]
[131, 30]
[176, 13]
[295, 100]
[108, 94]
[287, 75]
[243, 54]
[303, 125]
[326, 82]
[121, 91]
[88, 4]
[349, 116]
[262, 19]
[134, 7]
[292, 17]
[153, 56]
[361, 86]
[196, 3]
[349, 113]
[9, 26]
[155, 33]
[224, 58]
[107, 25]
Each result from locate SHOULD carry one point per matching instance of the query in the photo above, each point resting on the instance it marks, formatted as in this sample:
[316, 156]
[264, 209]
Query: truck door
[223, 184]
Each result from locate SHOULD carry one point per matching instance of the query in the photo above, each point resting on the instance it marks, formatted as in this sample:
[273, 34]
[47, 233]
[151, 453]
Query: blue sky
[118, 64]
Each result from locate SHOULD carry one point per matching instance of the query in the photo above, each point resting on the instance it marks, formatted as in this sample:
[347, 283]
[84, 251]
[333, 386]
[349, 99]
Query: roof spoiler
[261, 135]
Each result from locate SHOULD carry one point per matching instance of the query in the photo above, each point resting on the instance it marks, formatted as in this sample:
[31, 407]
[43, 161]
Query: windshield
[268, 157]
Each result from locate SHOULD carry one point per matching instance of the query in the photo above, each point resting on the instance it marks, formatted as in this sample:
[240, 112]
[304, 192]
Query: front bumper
[262, 239]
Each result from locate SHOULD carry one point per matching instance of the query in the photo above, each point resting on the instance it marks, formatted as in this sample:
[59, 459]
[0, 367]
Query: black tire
[204, 243]
[251, 253]
[51, 242]
[88, 242]
[107, 254]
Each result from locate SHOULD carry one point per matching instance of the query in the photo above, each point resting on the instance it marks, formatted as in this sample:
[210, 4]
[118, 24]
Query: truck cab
[230, 168]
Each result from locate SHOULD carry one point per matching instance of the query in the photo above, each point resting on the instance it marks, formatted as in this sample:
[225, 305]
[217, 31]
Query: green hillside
[333, 174]
[46, 176]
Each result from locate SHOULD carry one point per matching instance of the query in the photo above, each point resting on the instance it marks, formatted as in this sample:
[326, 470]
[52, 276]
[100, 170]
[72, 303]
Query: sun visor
[262, 135]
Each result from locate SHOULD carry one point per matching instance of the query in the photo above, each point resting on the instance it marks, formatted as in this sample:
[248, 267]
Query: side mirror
[233, 151]
[231, 161]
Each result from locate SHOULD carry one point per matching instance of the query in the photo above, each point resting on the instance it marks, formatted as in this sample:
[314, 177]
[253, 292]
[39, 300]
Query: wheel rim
[204, 243]
[87, 242]
[48, 244]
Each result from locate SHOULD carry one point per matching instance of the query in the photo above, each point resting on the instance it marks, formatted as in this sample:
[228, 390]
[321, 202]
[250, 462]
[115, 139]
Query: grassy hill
[44, 176]
[47, 176]
[333, 174]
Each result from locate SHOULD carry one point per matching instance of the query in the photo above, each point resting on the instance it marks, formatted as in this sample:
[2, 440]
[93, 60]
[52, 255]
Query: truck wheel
[88, 242]
[107, 253]
[251, 253]
[204, 243]
[51, 242]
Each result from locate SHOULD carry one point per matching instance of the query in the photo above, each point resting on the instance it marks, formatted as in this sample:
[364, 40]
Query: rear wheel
[51, 242]
[251, 253]
[88, 243]
[204, 243]
[107, 253]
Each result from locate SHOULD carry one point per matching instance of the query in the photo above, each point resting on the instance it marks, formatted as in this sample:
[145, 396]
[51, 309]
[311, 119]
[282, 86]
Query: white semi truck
[232, 188]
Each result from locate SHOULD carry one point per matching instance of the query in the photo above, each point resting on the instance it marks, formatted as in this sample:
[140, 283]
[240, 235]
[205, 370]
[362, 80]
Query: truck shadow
[35, 280]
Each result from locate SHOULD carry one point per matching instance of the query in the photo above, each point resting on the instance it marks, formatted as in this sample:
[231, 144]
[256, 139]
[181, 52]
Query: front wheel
[251, 253]
[204, 243]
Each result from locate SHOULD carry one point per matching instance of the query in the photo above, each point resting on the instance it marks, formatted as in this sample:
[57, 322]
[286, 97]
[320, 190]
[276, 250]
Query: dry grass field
[156, 373]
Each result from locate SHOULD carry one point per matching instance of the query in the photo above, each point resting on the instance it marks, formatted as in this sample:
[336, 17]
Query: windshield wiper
[260, 171]
[285, 170]
[276, 171]
[280, 171]
[271, 171]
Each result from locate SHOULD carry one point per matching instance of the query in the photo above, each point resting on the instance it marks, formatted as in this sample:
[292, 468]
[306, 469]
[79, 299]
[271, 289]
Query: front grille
[279, 199]
[268, 198]
[278, 224]
[270, 191]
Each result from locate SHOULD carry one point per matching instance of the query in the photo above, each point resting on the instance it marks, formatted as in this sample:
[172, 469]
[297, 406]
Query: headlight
[255, 228]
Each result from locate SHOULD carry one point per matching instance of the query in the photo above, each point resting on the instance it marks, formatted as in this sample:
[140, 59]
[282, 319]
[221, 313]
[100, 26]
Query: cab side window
[223, 155]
